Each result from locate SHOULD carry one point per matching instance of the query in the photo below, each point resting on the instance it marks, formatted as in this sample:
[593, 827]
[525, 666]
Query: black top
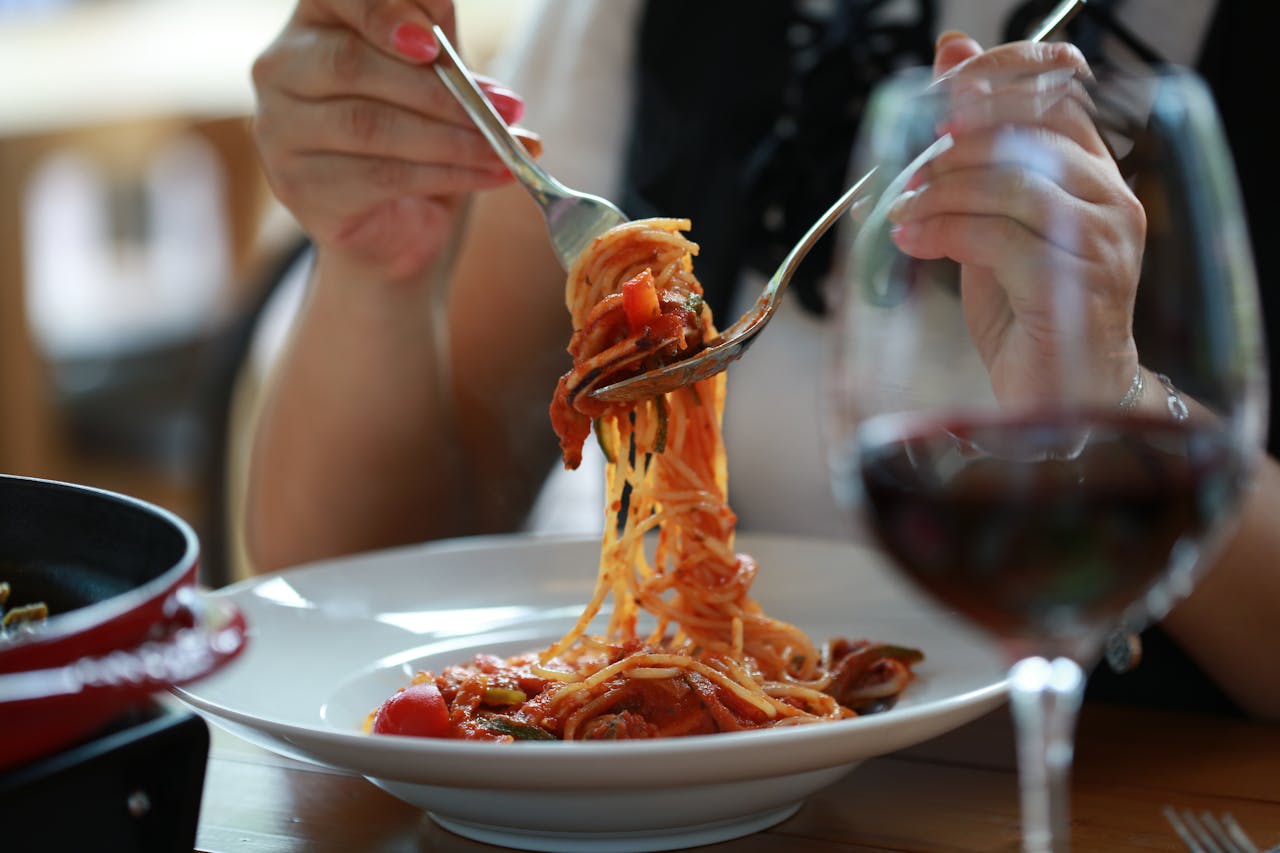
[749, 112]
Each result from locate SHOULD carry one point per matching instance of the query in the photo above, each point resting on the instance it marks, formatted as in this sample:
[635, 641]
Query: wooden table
[957, 792]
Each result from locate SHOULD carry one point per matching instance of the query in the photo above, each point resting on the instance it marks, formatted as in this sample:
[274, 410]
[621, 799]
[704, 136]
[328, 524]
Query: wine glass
[1048, 391]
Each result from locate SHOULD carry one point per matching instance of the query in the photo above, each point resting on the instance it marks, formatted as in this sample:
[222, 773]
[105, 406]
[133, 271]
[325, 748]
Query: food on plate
[20, 617]
[713, 661]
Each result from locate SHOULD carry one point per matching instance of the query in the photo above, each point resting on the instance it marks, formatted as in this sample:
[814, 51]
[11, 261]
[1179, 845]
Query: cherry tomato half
[418, 710]
[640, 301]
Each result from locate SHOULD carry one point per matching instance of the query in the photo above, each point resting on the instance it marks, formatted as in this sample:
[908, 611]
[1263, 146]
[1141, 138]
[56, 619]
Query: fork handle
[1057, 17]
[457, 78]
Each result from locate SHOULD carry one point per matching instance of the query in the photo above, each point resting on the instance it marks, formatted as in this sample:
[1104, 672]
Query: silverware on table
[1206, 833]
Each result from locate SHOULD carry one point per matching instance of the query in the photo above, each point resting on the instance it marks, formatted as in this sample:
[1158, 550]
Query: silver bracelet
[1134, 394]
[1177, 408]
[1173, 400]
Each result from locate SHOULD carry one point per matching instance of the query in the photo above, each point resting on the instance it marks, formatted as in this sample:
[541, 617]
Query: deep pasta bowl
[332, 640]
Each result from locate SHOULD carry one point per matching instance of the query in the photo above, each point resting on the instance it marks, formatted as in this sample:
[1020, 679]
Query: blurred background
[135, 234]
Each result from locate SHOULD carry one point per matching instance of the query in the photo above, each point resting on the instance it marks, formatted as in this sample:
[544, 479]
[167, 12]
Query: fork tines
[1208, 834]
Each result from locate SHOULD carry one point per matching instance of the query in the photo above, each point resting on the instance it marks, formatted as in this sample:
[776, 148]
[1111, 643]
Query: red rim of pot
[83, 667]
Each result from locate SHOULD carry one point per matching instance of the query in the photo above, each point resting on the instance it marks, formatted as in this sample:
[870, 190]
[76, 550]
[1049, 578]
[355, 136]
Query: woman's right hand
[362, 142]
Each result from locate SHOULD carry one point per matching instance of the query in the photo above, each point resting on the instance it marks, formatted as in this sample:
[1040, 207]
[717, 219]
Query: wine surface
[1043, 528]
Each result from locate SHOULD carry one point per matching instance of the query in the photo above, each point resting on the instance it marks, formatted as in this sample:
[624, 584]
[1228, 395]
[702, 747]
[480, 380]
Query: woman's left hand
[995, 202]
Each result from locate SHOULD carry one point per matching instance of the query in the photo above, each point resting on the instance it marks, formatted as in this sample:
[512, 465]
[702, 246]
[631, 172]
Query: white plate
[329, 642]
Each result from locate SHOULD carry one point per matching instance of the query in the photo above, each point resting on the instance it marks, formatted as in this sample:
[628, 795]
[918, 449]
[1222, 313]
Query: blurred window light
[25, 7]
[122, 262]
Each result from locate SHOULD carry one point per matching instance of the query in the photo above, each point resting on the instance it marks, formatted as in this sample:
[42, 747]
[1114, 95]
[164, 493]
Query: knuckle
[268, 144]
[346, 57]
[381, 16]
[363, 121]
[1009, 232]
[1114, 246]
[440, 11]
[1063, 54]
[1135, 225]
[451, 145]
[259, 127]
[1018, 183]
[279, 165]
[1135, 209]
[466, 147]
[261, 133]
[1099, 246]
[286, 186]
[265, 68]
[387, 174]
[1128, 214]
[436, 99]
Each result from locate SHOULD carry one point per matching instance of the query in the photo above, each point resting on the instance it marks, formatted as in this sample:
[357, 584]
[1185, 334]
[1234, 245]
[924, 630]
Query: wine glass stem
[1045, 696]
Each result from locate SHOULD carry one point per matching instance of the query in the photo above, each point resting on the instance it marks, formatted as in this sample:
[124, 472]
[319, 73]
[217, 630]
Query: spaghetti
[714, 660]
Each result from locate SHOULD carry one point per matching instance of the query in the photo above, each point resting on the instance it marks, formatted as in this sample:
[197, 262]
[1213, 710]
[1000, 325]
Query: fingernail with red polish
[415, 42]
[508, 104]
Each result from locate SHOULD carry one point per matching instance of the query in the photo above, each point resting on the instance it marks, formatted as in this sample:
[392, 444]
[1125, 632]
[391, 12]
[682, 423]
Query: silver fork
[574, 218]
[1205, 833]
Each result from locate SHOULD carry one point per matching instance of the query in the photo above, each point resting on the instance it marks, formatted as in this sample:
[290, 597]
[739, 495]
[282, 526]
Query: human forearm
[369, 437]
[1231, 623]
[346, 453]
[361, 141]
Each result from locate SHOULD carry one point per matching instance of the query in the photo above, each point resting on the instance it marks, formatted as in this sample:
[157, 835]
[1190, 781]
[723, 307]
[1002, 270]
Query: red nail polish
[415, 42]
[508, 104]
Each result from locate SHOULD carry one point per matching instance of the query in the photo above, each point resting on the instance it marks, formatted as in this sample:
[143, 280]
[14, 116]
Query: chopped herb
[507, 726]
[500, 696]
[605, 441]
[902, 653]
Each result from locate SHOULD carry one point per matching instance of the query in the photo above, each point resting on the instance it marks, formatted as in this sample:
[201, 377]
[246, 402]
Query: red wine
[1043, 527]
